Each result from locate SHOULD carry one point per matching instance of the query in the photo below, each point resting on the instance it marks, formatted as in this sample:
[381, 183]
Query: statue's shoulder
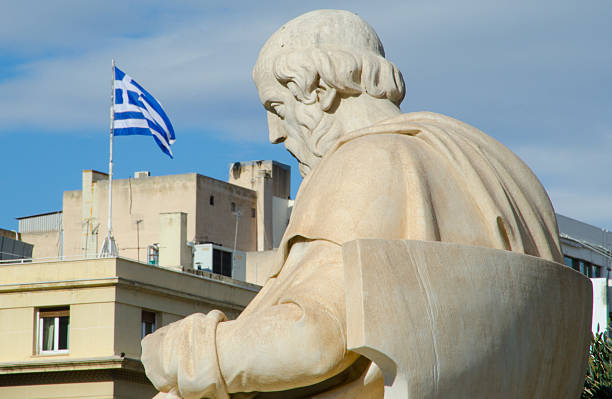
[371, 154]
[397, 129]
[433, 118]
[381, 137]
[432, 123]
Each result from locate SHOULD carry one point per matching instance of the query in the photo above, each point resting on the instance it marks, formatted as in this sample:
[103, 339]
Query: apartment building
[72, 329]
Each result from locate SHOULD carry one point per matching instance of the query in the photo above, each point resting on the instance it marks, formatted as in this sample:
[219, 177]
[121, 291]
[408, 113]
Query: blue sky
[536, 75]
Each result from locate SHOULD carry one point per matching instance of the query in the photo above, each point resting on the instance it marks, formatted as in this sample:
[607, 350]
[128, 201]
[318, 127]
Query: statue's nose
[277, 133]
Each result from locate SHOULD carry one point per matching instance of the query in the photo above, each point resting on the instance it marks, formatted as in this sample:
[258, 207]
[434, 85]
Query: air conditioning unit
[217, 259]
[141, 173]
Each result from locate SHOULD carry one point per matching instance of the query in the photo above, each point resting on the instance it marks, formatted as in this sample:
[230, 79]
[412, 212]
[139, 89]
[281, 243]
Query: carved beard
[317, 134]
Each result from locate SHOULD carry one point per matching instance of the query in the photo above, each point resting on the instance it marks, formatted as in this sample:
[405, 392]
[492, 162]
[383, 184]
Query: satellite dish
[236, 169]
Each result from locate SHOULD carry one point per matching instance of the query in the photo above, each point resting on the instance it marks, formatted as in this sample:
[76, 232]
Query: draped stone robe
[419, 176]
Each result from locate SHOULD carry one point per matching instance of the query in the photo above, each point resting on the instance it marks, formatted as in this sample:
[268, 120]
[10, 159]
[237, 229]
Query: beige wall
[217, 223]
[72, 223]
[90, 390]
[137, 205]
[85, 286]
[112, 389]
[91, 329]
[91, 320]
[174, 250]
[143, 199]
[16, 332]
[106, 297]
[93, 185]
[133, 200]
[46, 244]
[246, 175]
[272, 182]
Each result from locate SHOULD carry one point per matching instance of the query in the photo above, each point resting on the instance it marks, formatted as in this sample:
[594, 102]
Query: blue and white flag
[138, 113]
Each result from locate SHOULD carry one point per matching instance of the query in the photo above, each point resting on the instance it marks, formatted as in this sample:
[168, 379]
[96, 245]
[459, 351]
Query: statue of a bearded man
[369, 172]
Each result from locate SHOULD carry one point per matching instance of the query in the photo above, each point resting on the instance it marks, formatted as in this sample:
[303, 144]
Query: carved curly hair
[350, 73]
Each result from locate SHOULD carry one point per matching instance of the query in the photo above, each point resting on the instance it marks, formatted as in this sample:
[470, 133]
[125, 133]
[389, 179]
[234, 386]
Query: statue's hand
[180, 359]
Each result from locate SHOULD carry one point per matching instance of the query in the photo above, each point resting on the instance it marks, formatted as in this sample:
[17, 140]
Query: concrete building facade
[72, 329]
[71, 323]
[272, 182]
[588, 250]
[138, 206]
[248, 213]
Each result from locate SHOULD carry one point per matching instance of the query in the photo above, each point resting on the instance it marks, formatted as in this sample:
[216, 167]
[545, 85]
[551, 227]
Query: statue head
[311, 72]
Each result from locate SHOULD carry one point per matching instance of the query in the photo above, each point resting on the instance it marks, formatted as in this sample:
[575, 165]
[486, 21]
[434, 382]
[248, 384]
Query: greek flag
[138, 113]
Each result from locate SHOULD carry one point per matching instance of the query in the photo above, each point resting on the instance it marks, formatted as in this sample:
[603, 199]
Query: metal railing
[48, 259]
[597, 248]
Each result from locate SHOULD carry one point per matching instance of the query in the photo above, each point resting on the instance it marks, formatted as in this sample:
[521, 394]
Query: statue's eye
[276, 107]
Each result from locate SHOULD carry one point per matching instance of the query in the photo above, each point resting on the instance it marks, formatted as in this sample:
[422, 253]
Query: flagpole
[109, 248]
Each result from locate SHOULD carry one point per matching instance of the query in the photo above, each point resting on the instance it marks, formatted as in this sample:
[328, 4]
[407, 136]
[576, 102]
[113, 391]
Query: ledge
[67, 364]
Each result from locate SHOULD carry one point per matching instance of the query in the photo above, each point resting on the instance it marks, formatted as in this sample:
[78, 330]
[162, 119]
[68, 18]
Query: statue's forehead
[268, 93]
[263, 75]
[268, 87]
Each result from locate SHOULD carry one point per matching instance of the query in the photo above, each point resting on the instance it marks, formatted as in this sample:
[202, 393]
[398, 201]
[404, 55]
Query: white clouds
[198, 71]
[523, 71]
[468, 60]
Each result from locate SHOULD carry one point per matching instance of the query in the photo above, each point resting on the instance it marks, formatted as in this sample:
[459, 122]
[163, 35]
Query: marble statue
[408, 229]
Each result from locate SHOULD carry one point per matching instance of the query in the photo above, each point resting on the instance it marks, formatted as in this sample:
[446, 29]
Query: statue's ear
[326, 95]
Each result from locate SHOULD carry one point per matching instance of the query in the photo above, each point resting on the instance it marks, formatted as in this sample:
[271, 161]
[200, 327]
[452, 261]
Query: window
[233, 207]
[211, 200]
[253, 212]
[53, 330]
[588, 269]
[592, 271]
[149, 322]
[584, 267]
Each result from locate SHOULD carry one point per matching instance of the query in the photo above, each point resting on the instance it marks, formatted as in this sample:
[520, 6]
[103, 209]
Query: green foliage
[598, 383]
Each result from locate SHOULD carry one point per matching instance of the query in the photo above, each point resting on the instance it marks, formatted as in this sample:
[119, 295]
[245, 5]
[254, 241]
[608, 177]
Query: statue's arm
[292, 335]
[296, 334]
